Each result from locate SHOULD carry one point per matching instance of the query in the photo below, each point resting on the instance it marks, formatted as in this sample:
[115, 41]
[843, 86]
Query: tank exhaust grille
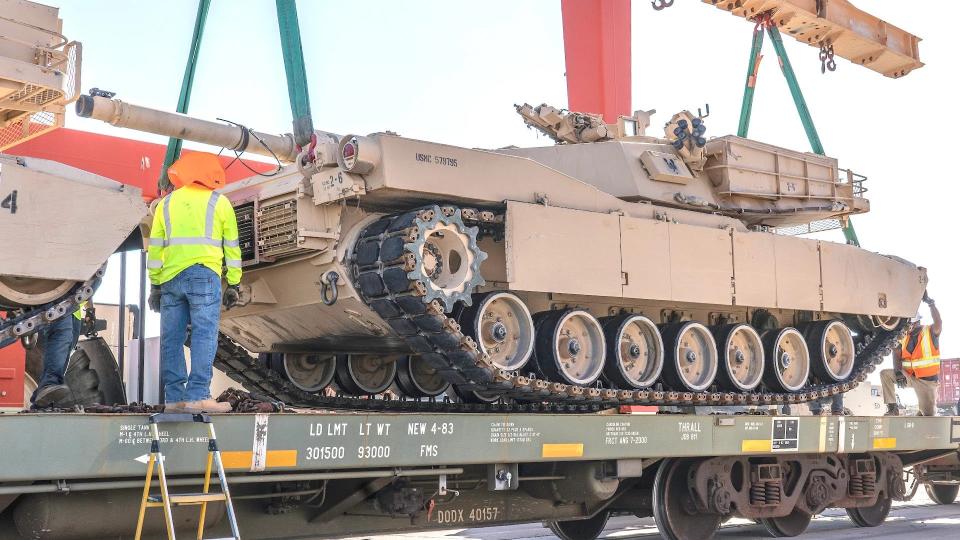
[245, 227]
[277, 230]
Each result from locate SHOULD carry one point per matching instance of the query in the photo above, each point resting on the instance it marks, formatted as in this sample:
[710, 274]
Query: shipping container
[949, 392]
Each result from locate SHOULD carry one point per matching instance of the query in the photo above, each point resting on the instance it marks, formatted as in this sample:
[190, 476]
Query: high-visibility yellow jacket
[193, 225]
[924, 359]
[79, 312]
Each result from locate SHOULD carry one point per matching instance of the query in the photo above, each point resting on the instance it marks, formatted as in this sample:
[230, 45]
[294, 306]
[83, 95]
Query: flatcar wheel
[790, 525]
[634, 351]
[690, 356]
[580, 529]
[871, 516]
[788, 360]
[308, 372]
[942, 493]
[365, 374]
[416, 378]
[673, 508]
[832, 351]
[501, 325]
[569, 346]
[741, 357]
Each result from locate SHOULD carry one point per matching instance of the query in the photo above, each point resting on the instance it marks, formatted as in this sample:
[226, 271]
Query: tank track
[385, 284]
[35, 319]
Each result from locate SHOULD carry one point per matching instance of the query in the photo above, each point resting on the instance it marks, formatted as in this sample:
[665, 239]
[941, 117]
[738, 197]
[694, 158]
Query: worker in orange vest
[193, 242]
[916, 363]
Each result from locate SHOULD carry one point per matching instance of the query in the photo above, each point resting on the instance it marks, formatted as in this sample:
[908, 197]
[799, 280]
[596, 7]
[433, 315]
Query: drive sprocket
[445, 257]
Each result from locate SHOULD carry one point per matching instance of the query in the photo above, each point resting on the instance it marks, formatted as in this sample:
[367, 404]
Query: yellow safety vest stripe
[191, 226]
[915, 364]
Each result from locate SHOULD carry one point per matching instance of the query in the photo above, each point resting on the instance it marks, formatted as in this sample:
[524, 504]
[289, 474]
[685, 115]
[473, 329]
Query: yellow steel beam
[854, 34]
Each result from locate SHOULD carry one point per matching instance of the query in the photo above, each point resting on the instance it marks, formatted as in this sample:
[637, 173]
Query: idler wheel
[832, 350]
[21, 291]
[308, 372]
[634, 351]
[501, 325]
[741, 357]
[690, 358]
[569, 347]
[580, 529]
[416, 378]
[793, 524]
[365, 374]
[674, 511]
[871, 516]
[885, 323]
[788, 360]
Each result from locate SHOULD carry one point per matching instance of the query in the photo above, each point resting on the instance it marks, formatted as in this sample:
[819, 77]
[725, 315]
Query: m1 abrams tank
[610, 268]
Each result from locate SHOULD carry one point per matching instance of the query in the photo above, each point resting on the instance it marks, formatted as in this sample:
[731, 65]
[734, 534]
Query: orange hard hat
[197, 168]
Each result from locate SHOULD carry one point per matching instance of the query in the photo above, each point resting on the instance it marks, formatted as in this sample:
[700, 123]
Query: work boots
[174, 407]
[207, 406]
[54, 395]
[195, 407]
[892, 410]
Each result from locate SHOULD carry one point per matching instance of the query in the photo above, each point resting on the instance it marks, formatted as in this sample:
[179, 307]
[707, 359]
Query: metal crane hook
[661, 4]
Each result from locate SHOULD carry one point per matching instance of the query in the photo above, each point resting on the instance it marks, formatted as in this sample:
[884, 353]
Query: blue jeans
[57, 342]
[192, 298]
[835, 401]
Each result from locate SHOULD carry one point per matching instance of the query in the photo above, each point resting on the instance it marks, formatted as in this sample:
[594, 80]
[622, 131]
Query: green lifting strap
[746, 109]
[174, 146]
[296, 71]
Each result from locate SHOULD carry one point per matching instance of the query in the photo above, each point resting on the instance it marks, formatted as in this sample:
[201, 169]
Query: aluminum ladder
[165, 499]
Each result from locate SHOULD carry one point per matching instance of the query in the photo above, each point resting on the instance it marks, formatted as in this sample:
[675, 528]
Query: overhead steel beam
[596, 39]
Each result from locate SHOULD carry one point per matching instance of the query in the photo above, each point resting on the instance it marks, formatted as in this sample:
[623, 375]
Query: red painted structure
[12, 359]
[596, 37]
[137, 163]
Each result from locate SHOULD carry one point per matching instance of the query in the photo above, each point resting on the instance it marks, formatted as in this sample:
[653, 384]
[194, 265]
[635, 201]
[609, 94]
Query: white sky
[451, 71]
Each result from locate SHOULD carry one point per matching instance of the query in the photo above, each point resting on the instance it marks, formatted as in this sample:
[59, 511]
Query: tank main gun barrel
[181, 126]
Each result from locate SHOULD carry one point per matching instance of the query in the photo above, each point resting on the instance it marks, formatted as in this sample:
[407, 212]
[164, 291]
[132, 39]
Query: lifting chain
[661, 5]
[827, 62]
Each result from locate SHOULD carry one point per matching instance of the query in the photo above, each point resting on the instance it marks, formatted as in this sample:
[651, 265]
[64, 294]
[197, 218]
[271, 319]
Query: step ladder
[165, 499]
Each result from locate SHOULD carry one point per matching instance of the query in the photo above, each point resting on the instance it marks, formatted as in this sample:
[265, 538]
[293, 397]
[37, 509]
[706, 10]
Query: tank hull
[50, 219]
[577, 246]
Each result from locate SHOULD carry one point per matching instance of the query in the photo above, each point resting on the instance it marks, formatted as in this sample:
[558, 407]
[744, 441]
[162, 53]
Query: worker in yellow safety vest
[193, 239]
[56, 342]
[916, 363]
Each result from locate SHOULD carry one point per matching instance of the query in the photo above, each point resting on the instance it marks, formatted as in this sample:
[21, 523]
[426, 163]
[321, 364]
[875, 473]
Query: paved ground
[918, 519]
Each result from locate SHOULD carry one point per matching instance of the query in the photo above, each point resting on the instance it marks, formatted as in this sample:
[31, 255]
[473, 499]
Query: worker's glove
[901, 379]
[231, 296]
[154, 300]
[927, 300]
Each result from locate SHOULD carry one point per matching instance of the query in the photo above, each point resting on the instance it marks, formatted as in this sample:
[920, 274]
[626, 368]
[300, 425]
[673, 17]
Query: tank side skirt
[386, 287]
